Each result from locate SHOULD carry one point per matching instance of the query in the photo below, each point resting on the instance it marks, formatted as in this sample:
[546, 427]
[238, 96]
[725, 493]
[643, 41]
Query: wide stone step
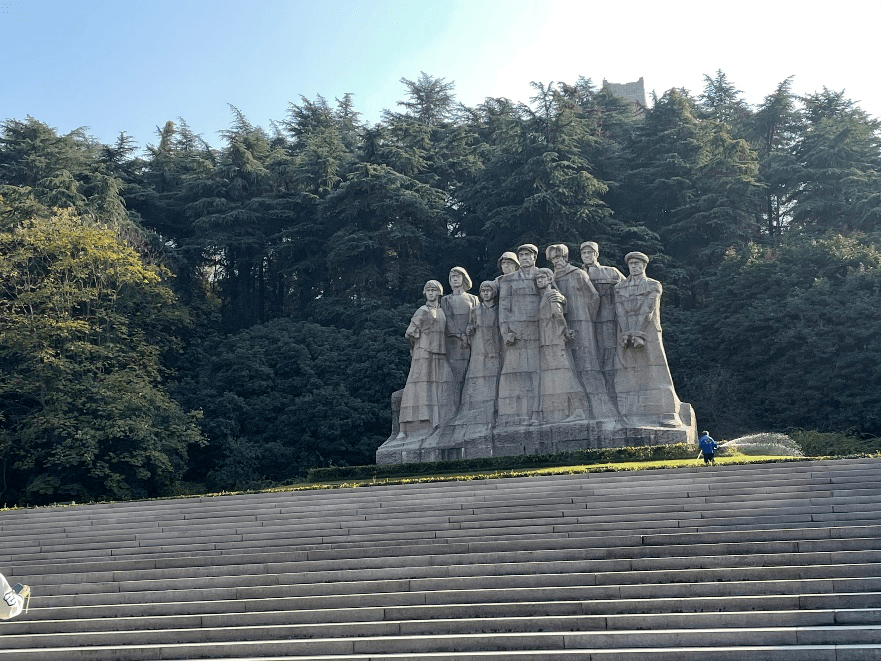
[203, 508]
[493, 576]
[188, 576]
[489, 618]
[398, 593]
[254, 629]
[462, 520]
[653, 564]
[156, 612]
[633, 547]
[863, 635]
[741, 653]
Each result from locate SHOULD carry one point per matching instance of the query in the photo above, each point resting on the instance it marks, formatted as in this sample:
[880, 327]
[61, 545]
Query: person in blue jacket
[708, 448]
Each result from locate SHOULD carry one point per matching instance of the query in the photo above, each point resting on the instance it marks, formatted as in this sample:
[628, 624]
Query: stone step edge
[733, 589]
[852, 570]
[501, 620]
[728, 653]
[478, 636]
[560, 511]
[33, 640]
[801, 599]
[150, 562]
[665, 563]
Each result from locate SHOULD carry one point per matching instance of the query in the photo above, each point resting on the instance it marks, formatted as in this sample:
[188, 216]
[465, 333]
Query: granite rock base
[467, 440]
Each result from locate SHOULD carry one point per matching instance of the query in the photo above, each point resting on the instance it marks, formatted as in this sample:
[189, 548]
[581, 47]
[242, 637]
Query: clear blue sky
[132, 65]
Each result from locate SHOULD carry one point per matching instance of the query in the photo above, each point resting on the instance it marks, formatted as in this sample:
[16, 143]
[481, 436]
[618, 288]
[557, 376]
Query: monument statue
[642, 377]
[457, 307]
[518, 322]
[482, 379]
[508, 263]
[542, 361]
[561, 397]
[583, 306]
[603, 279]
[429, 397]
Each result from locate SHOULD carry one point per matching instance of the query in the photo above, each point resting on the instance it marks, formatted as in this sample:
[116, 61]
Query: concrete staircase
[773, 561]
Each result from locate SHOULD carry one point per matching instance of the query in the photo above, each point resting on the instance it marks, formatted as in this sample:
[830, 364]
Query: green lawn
[532, 472]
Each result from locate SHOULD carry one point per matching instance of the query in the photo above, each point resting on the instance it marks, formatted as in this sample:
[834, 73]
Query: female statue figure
[457, 307]
[429, 397]
[560, 395]
[642, 376]
[482, 379]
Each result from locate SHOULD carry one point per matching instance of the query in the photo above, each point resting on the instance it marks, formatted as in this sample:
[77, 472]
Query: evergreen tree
[40, 170]
[773, 130]
[537, 183]
[281, 397]
[839, 167]
[774, 341]
[721, 101]
[696, 187]
[429, 100]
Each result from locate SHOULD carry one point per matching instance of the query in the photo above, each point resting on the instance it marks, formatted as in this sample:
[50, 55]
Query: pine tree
[838, 178]
[773, 130]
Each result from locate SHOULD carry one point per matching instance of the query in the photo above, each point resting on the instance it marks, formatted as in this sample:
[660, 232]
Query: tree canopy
[233, 314]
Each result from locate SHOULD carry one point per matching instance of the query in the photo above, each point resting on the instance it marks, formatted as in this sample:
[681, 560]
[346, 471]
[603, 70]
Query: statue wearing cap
[508, 263]
[643, 384]
[582, 305]
[519, 300]
[534, 382]
[604, 279]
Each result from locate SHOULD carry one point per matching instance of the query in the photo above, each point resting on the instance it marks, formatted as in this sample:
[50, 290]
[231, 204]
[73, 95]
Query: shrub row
[577, 457]
[833, 444]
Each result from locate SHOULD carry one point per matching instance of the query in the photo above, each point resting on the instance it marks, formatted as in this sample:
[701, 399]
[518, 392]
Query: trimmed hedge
[578, 457]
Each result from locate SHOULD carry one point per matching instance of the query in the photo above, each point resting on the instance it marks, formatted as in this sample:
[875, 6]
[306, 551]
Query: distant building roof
[633, 92]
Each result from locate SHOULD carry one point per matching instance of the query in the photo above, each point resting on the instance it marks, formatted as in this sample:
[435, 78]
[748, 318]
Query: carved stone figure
[430, 396]
[529, 355]
[457, 307]
[518, 322]
[604, 279]
[561, 397]
[582, 307]
[642, 376]
[508, 263]
[482, 379]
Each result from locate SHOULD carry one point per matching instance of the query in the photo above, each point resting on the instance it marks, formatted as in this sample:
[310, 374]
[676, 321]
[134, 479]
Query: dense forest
[196, 316]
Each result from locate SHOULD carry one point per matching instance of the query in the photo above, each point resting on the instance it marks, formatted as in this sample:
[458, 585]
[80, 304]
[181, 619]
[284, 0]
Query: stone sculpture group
[541, 361]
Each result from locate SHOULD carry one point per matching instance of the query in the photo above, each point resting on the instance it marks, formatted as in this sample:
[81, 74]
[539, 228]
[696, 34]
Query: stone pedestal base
[467, 440]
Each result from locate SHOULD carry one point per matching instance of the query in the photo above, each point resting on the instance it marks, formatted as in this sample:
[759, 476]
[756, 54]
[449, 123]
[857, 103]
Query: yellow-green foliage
[83, 321]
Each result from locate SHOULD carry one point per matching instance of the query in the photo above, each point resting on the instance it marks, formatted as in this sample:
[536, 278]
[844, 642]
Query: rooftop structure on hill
[633, 92]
